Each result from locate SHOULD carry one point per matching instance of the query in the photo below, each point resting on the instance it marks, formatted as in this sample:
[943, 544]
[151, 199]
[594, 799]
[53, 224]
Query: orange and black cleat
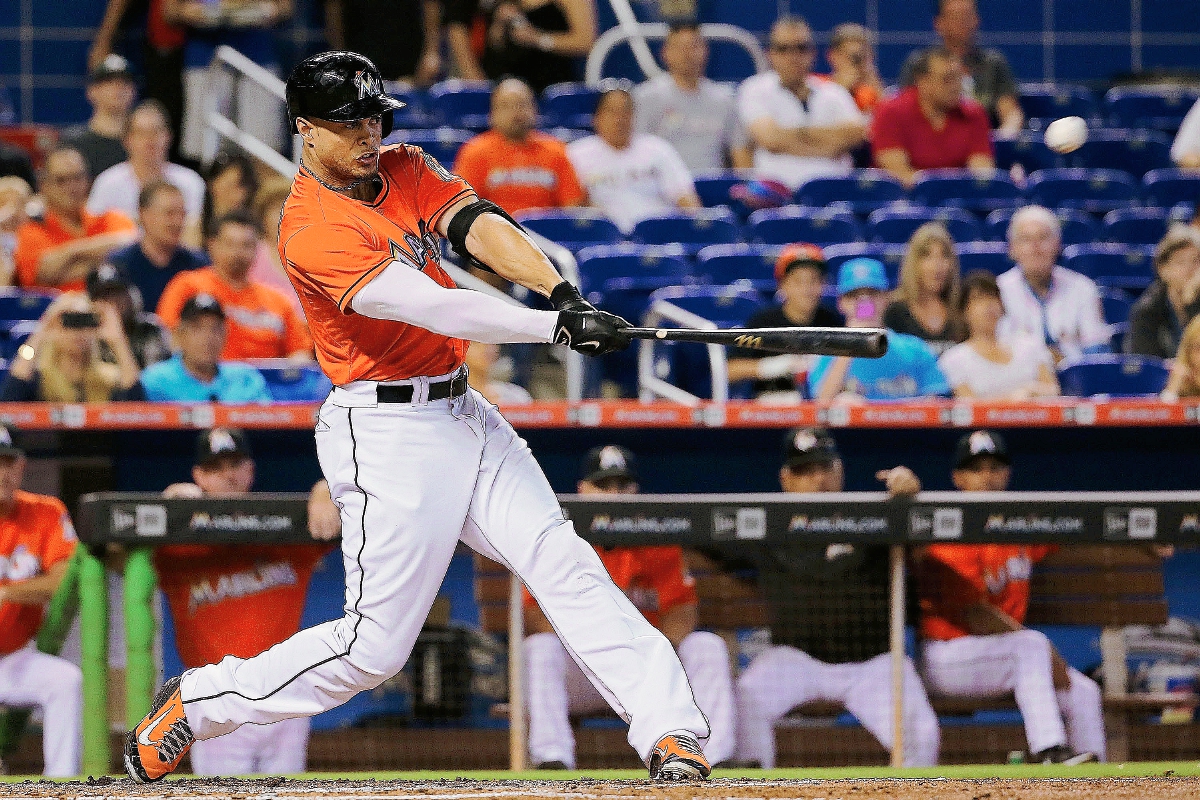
[678, 757]
[156, 746]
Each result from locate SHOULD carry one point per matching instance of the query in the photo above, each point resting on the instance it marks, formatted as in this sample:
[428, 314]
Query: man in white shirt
[1044, 300]
[1185, 150]
[697, 116]
[147, 140]
[629, 176]
[799, 126]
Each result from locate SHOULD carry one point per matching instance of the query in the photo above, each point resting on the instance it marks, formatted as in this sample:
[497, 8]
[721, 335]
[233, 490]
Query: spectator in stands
[926, 303]
[161, 254]
[1159, 316]
[482, 360]
[515, 166]
[15, 161]
[629, 176]
[800, 273]
[231, 182]
[37, 542]
[697, 116]
[987, 76]
[799, 126]
[267, 268]
[851, 57]
[1185, 150]
[1044, 300]
[60, 362]
[385, 32]
[147, 139]
[197, 373]
[986, 368]
[239, 600]
[263, 323]
[109, 287]
[909, 369]
[975, 644]
[110, 92]
[15, 195]
[656, 580]
[69, 241]
[931, 125]
[828, 610]
[1185, 369]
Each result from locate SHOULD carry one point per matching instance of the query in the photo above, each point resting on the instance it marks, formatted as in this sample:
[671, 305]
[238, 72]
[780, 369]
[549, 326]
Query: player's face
[982, 474]
[342, 153]
[823, 477]
[613, 485]
[225, 476]
[12, 473]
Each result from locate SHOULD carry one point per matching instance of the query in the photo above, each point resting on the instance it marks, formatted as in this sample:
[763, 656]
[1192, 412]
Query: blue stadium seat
[1078, 227]
[1049, 101]
[24, 303]
[416, 113]
[294, 383]
[13, 333]
[1117, 265]
[570, 105]
[690, 229]
[462, 104]
[963, 188]
[643, 265]
[1134, 151]
[1147, 107]
[713, 187]
[895, 225]
[573, 228]
[863, 191]
[820, 226]
[1113, 375]
[990, 256]
[441, 143]
[1168, 187]
[723, 264]
[568, 135]
[1026, 149]
[1117, 306]
[1137, 225]
[1093, 190]
[890, 254]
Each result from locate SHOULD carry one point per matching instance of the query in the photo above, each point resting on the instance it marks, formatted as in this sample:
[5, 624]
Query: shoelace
[174, 742]
[689, 745]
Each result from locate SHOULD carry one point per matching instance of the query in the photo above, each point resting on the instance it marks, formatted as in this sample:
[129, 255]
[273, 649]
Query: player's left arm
[35, 591]
[500, 245]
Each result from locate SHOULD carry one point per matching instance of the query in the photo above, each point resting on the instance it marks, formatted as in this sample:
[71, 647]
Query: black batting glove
[566, 297]
[595, 333]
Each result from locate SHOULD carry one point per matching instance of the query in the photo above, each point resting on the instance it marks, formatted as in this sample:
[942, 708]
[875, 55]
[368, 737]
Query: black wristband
[565, 295]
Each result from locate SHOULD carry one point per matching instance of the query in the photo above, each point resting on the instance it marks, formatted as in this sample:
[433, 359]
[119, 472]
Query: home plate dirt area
[1164, 788]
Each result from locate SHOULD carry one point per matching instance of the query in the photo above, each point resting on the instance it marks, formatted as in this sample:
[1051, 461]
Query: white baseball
[1067, 134]
[661, 334]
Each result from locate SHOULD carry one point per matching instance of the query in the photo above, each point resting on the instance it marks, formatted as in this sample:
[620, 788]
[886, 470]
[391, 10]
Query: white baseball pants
[555, 687]
[1019, 662]
[29, 679]
[280, 748]
[411, 480]
[781, 678]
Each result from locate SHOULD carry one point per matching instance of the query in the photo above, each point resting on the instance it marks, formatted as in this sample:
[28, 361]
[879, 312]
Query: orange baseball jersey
[997, 574]
[333, 245]
[517, 176]
[653, 577]
[263, 322]
[37, 535]
[234, 600]
[35, 238]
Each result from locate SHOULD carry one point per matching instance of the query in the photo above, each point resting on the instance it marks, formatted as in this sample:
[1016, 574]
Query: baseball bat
[854, 342]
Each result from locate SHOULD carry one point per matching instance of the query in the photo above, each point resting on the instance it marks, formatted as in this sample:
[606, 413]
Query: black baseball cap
[609, 461]
[8, 439]
[199, 305]
[978, 444]
[803, 447]
[220, 443]
[105, 279]
[113, 66]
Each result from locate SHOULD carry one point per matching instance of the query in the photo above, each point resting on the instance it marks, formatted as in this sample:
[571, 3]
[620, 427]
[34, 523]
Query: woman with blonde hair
[925, 304]
[1185, 371]
[60, 361]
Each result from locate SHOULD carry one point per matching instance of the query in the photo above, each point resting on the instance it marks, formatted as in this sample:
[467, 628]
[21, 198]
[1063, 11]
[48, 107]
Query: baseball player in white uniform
[415, 459]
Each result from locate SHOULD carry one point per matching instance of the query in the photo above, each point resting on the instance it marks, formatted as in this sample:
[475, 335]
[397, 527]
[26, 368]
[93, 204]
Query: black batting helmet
[338, 86]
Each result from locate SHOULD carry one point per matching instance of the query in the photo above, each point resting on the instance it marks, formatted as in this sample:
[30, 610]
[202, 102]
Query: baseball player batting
[415, 459]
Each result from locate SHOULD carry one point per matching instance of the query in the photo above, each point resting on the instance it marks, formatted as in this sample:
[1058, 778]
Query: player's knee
[62, 680]
[1030, 642]
[703, 645]
[544, 649]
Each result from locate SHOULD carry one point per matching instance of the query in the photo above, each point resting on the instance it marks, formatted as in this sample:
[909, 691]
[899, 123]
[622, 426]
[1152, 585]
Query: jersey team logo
[367, 85]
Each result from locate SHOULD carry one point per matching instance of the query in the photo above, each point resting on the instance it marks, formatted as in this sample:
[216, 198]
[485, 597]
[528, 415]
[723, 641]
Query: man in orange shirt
[515, 166]
[263, 323]
[239, 600]
[68, 242]
[36, 543]
[973, 604]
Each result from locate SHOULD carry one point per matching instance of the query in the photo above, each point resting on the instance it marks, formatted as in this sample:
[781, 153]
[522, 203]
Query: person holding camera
[60, 362]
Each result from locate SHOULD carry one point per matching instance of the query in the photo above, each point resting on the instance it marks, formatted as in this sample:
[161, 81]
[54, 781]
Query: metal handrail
[256, 147]
[650, 385]
[218, 125]
[636, 34]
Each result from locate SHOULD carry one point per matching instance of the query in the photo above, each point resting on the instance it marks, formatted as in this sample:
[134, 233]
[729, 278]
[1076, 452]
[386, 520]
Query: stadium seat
[895, 225]
[441, 143]
[416, 113]
[1050, 101]
[1113, 375]
[1078, 227]
[863, 191]
[820, 226]
[890, 254]
[568, 135]
[691, 230]
[713, 187]
[1137, 225]
[1148, 107]
[13, 334]
[1093, 190]
[24, 303]
[293, 383]
[570, 105]
[462, 104]
[642, 264]
[723, 264]
[989, 256]
[1117, 306]
[1168, 187]
[1117, 265]
[573, 228]
[1026, 149]
[966, 189]
[1134, 151]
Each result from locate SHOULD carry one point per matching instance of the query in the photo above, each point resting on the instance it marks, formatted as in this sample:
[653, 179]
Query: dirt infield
[1160, 788]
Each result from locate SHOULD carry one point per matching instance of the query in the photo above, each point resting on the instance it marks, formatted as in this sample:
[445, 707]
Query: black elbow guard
[460, 226]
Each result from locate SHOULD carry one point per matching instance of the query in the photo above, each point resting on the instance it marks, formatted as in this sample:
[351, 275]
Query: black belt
[455, 387]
